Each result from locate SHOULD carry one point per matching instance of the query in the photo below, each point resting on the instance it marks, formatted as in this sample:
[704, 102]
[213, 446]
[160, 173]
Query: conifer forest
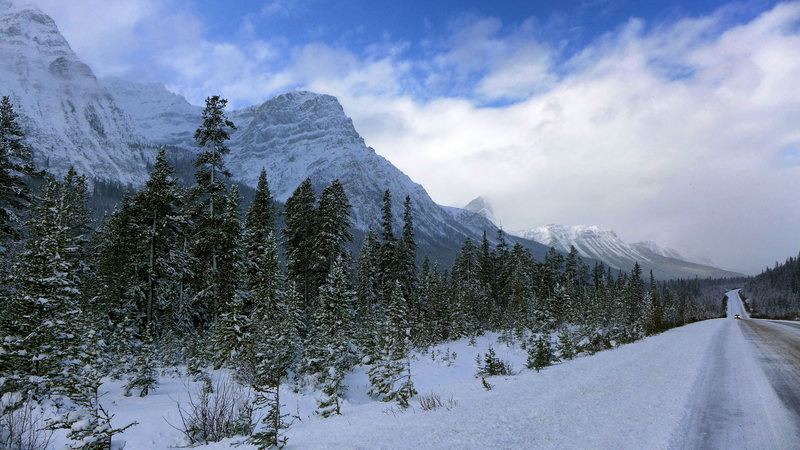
[186, 279]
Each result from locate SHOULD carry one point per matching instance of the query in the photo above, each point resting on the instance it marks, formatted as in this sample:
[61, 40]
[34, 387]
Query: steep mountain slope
[304, 134]
[70, 117]
[482, 206]
[604, 245]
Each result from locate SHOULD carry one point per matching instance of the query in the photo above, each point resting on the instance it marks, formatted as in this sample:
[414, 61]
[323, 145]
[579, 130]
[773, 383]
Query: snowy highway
[715, 384]
[748, 393]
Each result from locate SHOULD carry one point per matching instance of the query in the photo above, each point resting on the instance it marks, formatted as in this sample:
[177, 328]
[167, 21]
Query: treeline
[176, 276]
[775, 293]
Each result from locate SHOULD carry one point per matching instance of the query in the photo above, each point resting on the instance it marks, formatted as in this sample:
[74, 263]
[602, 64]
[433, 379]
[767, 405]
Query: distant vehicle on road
[736, 316]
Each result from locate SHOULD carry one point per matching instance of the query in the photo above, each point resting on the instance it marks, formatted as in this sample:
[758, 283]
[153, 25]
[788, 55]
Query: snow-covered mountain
[108, 130]
[604, 245]
[63, 109]
[303, 134]
[482, 206]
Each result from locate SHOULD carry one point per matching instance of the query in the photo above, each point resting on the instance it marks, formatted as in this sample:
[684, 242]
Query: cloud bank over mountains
[682, 132]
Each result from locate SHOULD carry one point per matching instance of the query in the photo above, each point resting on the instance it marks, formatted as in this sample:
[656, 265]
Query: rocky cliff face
[70, 117]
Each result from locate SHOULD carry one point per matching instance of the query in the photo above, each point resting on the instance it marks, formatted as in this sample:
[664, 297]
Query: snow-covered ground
[697, 386]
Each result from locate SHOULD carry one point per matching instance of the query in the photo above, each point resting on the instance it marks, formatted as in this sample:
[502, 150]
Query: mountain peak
[62, 107]
[604, 245]
[481, 205]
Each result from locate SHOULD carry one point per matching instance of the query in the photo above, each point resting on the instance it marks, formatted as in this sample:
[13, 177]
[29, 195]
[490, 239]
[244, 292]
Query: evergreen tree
[46, 308]
[407, 255]
[144, 377]
[329, 351]
[566, 343]
[259, 227]
[388, 270]
[540, 353]
[88, 422]
[209, 202]
[390, 377]
[276, 345]
[15, 166]
[158, 208]
[299, 241]
[230, 262]
[230, 334]
[367, 292]
[332, 231]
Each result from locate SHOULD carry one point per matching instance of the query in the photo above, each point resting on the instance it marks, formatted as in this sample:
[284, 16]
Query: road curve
[748, 393]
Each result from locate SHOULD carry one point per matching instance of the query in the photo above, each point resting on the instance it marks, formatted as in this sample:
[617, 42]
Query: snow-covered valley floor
[666, 391]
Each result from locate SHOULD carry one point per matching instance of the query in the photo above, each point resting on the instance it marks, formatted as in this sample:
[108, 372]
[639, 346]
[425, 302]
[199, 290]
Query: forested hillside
[176, 277]
[775, 293]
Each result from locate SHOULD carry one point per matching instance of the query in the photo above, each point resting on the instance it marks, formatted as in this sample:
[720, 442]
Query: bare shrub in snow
[211, 415]
[432, 401]
[21, 428]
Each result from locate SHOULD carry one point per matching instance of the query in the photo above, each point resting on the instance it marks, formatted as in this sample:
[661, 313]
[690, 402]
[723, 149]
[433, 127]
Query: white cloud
[676, 133]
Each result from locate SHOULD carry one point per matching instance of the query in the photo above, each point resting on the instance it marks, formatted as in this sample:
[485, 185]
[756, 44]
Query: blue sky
[675, 122]
[418, 30]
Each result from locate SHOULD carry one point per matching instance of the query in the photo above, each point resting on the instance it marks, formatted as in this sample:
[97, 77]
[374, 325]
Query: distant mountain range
[109, 129]
[595, 243]
[604, 245]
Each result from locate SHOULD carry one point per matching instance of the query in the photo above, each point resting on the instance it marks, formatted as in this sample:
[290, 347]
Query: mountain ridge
[604, 245]
[62, 107]
[109, 130]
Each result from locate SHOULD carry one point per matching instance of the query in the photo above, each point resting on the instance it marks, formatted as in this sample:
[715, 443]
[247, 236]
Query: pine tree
[367, 293]
[158, 208]
[144, 376]
[388, 271]
[407, 255]
[230, 261]
[266, 283]
[88, 422]
[332, 231]
[15, 165]
[540, 353]
[299, 241]
[328, 350]
[566, 343]
[276, 345]
[209, 202]
[390, 377]
[259, 227]
[46, 306]
[230, 334]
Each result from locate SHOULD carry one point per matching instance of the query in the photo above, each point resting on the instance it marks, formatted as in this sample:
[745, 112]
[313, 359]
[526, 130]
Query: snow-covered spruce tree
[390, 377]
[299, 241]
[258, 232]
[492, 365]
[540, 353]
[329, 349]
[144, 376]
[276, 345]
[230, 261]
[407, 260]
[367, 296]
[206, 211]
[15, 166]
[88, 422]
[332, 230]
[388, 264]
[566, 343]
[158, 215]
[46, 307]
[471, 297]
[230, 334]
